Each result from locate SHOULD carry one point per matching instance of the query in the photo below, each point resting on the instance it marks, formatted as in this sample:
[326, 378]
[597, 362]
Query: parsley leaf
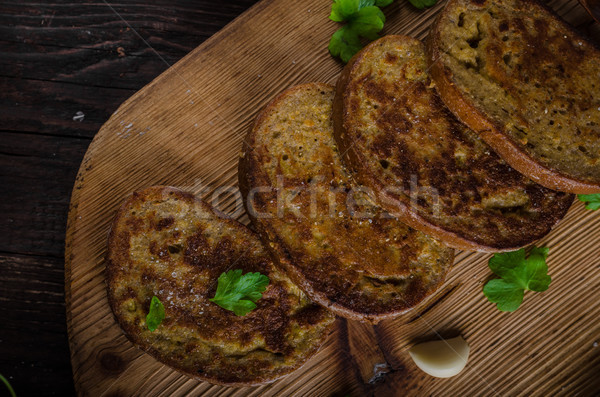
[344, 44]
[239, 293]
[518, 274]
[367, 22]
[420, 4]
[507, 296]
[342, 10]
[156, 314]
[364, 20]
[592, 201]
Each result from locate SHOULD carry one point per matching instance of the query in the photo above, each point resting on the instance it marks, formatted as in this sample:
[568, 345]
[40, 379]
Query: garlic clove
[441, 358]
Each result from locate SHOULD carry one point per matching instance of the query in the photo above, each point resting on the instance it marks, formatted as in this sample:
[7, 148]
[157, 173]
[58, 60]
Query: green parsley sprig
[156, 314]
[592, 201]
[364, 20]
[239, 293]
[518, 274]
[8, 386]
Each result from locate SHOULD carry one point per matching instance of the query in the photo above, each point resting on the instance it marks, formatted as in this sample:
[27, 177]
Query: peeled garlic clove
[441, 358]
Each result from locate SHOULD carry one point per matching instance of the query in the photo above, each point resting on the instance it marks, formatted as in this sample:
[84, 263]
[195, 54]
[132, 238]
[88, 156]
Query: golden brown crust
[165, 242]
[426, 167]
[491, 130]
[364, 269]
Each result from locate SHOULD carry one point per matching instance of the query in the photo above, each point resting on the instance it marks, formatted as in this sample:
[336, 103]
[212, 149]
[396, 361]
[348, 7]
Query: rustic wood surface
[185, 129]
[58, 58]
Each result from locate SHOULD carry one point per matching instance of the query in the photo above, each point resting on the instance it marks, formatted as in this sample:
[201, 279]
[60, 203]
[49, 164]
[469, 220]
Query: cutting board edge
[77, 186]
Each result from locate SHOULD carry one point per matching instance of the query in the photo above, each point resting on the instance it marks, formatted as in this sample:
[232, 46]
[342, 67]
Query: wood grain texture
[185, 129]
[30, 304]
[58, 58]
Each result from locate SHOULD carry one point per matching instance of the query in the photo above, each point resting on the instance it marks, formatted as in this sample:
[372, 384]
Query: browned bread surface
[165, 242]
[349, 258]
[527, 83]
[426, 166]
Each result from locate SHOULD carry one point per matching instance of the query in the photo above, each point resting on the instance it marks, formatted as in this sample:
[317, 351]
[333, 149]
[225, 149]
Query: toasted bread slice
[527, 83]
[341, 249]
[425, 166]
[165, 242]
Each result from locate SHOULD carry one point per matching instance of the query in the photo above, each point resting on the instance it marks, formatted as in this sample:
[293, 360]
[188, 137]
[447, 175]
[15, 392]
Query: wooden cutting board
[185, 129]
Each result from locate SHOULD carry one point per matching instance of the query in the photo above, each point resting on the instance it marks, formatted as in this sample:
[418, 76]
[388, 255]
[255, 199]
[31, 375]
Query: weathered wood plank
[90, 46]
[48, 107]
[33, 333]
[39, 171]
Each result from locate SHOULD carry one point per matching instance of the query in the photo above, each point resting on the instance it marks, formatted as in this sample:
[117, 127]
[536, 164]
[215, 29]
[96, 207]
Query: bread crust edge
[491, 132]
[160, 189]
[280, 256]
[363, 175]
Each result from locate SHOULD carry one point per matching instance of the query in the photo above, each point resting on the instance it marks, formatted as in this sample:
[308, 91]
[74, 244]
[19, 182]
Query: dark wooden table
[64, 68]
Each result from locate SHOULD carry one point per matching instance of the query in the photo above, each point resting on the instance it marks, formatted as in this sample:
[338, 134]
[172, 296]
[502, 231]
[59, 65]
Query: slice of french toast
[166, 243]
[424, 165]
[527, 83]
[341, 249]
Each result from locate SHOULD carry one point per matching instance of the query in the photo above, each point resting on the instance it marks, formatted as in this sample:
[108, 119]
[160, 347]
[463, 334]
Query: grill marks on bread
[332, 240]
[527, 82]
[426, 166]
[176, 251]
